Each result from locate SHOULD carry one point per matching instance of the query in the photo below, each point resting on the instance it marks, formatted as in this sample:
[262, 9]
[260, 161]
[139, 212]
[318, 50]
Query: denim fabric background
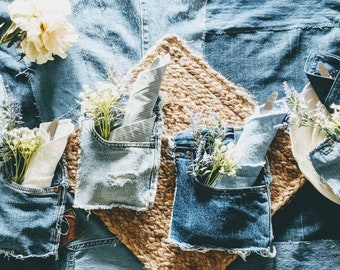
[240, 37]
[204, 218]
[260, 44]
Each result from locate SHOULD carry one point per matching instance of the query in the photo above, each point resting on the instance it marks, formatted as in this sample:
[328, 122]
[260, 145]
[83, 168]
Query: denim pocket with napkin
[122, 171]
[31, 217]
[234, 215]
[235, 219]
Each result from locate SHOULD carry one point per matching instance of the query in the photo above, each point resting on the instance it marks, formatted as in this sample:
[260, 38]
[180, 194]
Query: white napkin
[54, 137]
[142, 100]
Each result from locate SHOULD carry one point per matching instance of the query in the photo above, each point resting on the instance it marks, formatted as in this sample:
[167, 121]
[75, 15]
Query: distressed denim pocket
[118, 173]
[237, 220]
[326, 162]
[30, 218]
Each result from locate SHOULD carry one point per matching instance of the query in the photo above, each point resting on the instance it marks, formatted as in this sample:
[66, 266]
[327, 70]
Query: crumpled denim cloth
[327, 86]
[235, 219]
[125, 173]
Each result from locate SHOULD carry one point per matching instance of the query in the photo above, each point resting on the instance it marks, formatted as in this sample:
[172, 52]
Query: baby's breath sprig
[222, 161]
[101, 105]
[20, 144]
[302, 115]
[214, 157]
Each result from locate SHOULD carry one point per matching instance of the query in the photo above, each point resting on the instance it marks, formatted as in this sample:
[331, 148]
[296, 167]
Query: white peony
[47, 30]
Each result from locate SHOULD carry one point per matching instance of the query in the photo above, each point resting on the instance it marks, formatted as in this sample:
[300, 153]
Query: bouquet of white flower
[40, 28]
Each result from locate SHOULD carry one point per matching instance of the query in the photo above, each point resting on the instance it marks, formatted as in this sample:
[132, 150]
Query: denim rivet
[56, 189]
[330, 142]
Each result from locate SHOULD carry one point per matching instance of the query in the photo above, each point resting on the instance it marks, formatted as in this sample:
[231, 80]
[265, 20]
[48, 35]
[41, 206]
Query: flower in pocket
[40, 28]
[214, 155]
[101, 105]
[223, 160]
[302, 114]
[19, 145]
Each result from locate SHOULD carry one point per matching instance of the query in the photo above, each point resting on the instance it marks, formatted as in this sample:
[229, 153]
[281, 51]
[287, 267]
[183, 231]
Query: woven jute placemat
[190, 83]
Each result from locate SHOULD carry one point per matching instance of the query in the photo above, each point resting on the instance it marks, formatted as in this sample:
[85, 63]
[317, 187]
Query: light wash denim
[326, 162]
[235, 219]
[118, 174]
[327, 88]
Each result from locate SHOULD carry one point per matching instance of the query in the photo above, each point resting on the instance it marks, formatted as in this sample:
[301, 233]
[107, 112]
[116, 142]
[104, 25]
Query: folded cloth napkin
[304, 140]
[258, 133]
[54, 136]
[139, 117]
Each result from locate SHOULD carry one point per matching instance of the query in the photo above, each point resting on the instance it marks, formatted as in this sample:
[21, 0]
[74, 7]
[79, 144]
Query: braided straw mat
[192, 83]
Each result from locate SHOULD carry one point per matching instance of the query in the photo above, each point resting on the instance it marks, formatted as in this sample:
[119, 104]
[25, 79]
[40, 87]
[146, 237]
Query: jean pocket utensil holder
[235, 219]
[31, 218]
[118, 173]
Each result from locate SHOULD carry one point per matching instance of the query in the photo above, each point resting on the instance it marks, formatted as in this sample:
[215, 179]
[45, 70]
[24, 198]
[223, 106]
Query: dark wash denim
[237, 220]
[327, 88]
[125, 173]
[31, 218]
[326, 162]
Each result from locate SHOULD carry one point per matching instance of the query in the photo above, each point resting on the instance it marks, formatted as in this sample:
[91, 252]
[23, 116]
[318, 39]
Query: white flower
[48, 32]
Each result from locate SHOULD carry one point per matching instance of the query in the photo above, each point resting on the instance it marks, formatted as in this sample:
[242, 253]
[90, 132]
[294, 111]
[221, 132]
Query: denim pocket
[118, 173]
[237, 220]
[326, 162]
[326, 86]
[30, 218]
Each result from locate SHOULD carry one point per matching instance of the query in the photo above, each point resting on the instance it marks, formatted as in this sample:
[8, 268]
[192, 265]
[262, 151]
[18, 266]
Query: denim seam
[250, 30]
[144, 28]
[150, 144]
[216, 191]
[93, 243]
[205, 30]
[57, 229]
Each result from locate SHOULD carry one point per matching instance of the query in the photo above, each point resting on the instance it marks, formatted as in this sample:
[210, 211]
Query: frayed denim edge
[11, 253]
[111, 206]
[269, 252]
